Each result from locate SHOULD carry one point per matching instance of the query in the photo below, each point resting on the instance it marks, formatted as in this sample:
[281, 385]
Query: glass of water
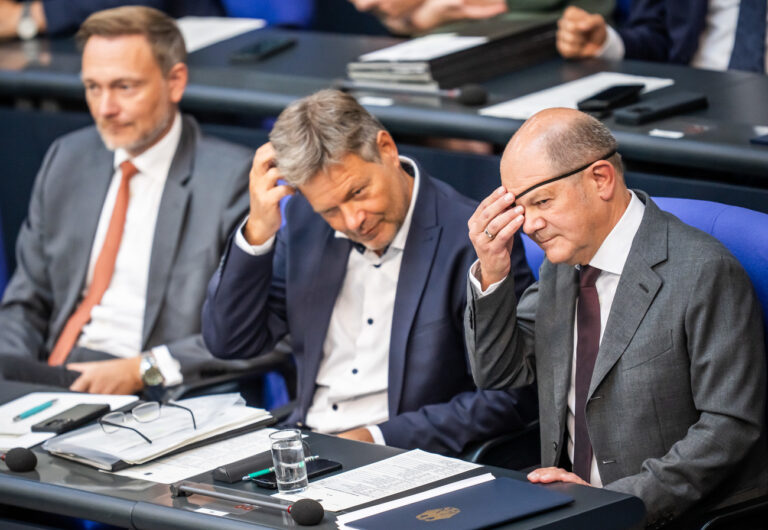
[288, 458]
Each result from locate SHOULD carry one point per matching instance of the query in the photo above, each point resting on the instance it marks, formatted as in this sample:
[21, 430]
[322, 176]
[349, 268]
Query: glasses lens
[147, 411]
[112, 417]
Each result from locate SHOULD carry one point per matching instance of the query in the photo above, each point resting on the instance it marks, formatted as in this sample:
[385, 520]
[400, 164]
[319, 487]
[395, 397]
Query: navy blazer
[254, 301]
[664, 30]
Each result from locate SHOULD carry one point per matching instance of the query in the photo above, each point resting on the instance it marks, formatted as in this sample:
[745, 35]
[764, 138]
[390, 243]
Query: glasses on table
[143, 413]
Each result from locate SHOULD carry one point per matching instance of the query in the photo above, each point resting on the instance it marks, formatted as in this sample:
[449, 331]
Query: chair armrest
[515, 450]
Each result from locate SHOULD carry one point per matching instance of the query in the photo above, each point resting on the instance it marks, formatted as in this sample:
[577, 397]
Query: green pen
[34, 410]
[256, 474]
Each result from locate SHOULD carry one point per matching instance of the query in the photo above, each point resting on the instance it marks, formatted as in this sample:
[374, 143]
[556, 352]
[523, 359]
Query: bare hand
[433, 13]
[545, 475]
[495, 217]
[264, 218]
[360, 434]
[387, 8]
[10, 13]
[580, 34]
[115, 376]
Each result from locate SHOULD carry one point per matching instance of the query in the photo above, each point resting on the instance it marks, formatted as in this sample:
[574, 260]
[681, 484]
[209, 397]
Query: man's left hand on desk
[545, 475]
[361, 434]
[115, 376]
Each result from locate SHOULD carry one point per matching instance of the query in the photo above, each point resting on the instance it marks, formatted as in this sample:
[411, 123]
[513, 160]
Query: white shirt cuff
[475, 281]
[377, 435]
[253, 250]
[613, 47]
[168, 366]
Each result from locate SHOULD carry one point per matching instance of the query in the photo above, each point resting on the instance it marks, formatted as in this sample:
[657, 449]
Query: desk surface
[717, 138]
[61, 487]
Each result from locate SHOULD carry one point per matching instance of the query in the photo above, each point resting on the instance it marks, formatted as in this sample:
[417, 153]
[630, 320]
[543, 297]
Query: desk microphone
[19, 459]
[306, 512]
[471, 94]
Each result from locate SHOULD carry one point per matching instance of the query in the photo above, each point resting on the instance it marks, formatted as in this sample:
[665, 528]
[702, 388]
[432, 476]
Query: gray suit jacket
[675, 409]
[204, 197]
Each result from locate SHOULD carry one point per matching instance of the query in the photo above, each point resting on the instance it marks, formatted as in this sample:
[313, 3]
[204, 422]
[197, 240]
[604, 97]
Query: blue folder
[480, 506]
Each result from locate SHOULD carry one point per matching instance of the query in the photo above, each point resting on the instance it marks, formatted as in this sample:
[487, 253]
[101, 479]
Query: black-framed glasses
[142, 413]
[565, 175]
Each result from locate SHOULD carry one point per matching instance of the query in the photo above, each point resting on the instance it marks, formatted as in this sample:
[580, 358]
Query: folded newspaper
[217, 417]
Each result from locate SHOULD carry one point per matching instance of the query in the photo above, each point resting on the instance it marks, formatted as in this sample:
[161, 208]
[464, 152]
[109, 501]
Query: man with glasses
[643, 334]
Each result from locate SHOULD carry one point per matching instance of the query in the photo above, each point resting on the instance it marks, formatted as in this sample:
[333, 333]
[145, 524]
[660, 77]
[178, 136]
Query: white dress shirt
[715, 43]
[117, 322]
[352, 378]
[610, 259]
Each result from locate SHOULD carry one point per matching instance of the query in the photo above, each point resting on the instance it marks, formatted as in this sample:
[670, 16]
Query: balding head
[571, 216]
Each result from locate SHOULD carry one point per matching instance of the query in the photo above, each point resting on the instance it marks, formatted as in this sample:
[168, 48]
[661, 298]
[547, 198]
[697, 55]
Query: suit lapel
[325, 286]
[636, 290]
[560, 337]
[418, 256]
[170, 224]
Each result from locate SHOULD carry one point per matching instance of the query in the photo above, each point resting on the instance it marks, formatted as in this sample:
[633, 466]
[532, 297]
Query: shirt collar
[398, 242]
[613, 253]
[156, 161]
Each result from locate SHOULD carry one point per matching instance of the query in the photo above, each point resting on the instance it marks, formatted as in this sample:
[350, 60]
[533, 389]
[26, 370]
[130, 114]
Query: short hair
[580, 141]
[160, 30]
[318, 131]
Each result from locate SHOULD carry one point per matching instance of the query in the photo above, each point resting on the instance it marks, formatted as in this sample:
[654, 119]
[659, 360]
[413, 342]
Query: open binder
[217, 417]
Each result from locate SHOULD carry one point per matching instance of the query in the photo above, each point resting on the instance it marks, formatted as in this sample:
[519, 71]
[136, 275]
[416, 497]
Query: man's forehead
[519, 174]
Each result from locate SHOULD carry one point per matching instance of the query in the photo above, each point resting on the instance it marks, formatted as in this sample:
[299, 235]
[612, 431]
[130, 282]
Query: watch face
[27, 28]
[153, 376]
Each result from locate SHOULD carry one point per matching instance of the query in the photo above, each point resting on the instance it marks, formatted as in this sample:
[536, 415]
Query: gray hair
[585, 138]
[318, 131]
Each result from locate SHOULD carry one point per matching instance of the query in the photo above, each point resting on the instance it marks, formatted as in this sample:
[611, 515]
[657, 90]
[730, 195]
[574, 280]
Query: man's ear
[604, 177]
[387, 148]
[177, 81]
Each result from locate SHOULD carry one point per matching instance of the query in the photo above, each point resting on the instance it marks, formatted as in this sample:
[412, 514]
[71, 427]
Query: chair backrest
[744, 232]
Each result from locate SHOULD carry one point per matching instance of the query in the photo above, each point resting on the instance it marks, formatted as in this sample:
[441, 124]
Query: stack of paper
[215, 415]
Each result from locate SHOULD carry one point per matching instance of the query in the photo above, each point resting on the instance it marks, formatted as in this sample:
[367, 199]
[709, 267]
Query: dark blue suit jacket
[253, 301]
[664, 30]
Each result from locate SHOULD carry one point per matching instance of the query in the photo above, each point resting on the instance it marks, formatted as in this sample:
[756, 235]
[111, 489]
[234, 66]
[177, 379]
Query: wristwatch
[150, 372]
[27, 27]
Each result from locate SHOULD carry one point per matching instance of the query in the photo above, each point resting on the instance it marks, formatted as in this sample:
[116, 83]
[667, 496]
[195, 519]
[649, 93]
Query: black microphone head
[472, 95]
[306, 512]
[20, 459]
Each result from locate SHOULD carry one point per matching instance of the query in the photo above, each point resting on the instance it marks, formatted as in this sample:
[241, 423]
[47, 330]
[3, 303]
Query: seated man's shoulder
[689, 244]
[461, 207]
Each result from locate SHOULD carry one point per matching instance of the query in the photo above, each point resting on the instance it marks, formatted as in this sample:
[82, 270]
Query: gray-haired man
[367, 276]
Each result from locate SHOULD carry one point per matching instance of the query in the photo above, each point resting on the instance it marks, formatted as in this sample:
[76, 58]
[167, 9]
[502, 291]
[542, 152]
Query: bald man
[644, 334]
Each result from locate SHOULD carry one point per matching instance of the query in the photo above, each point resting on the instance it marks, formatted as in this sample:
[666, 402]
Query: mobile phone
[612, 97]
[71, 418]
[670, 104]
[315, 468]
[262, 49]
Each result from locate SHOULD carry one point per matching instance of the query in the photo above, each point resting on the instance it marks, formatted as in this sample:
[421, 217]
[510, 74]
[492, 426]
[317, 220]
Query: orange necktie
[102, 272]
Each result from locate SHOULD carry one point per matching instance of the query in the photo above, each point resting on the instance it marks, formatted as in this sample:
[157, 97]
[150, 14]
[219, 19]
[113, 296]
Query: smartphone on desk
[315, 468]
[612, 97]
[71, 418]
[262, 49]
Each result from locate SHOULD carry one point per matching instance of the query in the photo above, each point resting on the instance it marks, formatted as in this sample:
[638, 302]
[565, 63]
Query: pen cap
[235, 471]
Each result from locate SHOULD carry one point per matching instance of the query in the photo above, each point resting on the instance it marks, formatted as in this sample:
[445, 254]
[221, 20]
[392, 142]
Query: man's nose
[353, 217]
[107, 105]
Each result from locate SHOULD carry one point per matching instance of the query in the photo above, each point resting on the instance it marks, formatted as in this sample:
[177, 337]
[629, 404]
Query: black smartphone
[315, 468]
[71, 418]
[262, 49]
[669, 104]
[611, 98]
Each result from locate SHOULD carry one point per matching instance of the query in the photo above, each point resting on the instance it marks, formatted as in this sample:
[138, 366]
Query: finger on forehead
[497, 206]
[495, 194]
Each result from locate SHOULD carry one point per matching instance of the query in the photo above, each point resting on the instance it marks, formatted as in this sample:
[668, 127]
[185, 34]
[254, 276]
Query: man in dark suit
[366, 277]
[643, 334]
[714, 35]
[126, 224]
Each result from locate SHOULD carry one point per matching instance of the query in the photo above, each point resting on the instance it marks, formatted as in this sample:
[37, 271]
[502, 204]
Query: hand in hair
[264, 218]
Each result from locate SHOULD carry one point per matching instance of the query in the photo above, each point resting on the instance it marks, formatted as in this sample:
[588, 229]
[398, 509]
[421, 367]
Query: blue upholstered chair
[745, 233]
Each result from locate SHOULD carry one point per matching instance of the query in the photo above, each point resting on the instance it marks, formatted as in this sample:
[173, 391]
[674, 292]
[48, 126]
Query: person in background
[127, 221]
[367, 278]
[716, 34]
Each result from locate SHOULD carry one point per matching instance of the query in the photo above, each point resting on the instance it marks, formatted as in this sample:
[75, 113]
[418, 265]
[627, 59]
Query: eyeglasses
[143, 413]
[565, 175]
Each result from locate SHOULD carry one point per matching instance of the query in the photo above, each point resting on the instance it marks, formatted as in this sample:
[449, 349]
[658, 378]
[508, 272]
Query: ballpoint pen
[255, 474]
[34, 410]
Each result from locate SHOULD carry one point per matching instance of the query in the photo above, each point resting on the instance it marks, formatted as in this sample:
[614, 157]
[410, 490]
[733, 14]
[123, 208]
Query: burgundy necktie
[587, 344]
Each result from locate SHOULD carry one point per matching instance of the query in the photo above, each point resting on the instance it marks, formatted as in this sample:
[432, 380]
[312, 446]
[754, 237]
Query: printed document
[425, 48]
[381, 479]
[199, 32]
[569, 94]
